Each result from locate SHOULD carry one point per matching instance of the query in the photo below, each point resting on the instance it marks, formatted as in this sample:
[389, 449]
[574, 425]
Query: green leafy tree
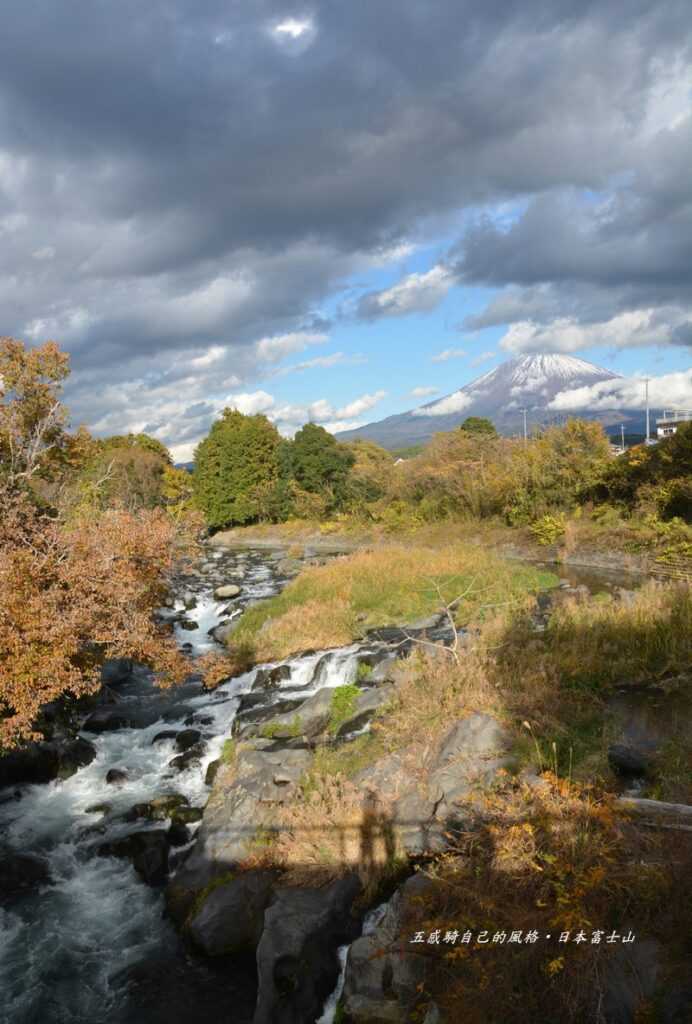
[478, 425]
[236, 469]
[320, 465]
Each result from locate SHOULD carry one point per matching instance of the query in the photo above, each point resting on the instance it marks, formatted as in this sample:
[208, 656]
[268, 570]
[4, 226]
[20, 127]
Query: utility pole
[622, 434]
[646, 386]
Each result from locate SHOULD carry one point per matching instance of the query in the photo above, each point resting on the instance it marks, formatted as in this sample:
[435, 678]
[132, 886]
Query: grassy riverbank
[331, 605]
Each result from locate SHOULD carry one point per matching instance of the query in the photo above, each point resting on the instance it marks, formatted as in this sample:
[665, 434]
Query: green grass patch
[344, 701]
[348, 759]
[290, 730]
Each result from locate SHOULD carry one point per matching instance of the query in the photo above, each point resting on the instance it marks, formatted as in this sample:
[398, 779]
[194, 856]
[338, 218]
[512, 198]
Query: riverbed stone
[297, 962]
[148, 852]
[75, 754]
[116, 776]
[187, 738]
[226, 591]
[159, 808]
[230, 918]
[385, 975]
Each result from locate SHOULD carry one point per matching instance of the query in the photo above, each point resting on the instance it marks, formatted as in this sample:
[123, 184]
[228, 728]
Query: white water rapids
[63, 947]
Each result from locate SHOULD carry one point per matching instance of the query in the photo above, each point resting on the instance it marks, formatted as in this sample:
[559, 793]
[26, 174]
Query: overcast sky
[337, 211]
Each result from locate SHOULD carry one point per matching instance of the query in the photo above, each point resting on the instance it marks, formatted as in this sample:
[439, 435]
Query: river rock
[187, 738]
[297, 962]
[231, 917]
[212, 769]
[309, 719]
[108, 720]
[117, 671]
[289, 566]
[75, 755]
[178, 834]
[20, 871]
[366, 706]
[242, 804]
[191, 758]
[116, 776]
[158, 809]
[227, 590]
[148, 852]
[189, 600]
[628, 761]
[271, 678]
[385, 975]
[165, 734]
[188, 624]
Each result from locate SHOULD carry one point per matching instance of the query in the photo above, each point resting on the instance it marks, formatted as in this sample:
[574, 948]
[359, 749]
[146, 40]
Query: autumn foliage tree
[76, 585]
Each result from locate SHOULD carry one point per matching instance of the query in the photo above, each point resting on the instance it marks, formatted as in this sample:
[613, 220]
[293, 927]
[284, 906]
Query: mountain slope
[527, 382]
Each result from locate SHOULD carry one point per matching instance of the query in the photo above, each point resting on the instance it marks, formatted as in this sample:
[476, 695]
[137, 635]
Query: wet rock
[231, 918]
[116, 776]
[187, 815]
[227, 590]
[75, 755]
[385, 975]
[178, 834]
[212, 769]
[253, 711]
[148, 852]
[187, 738]
[33, 763]
[189, 600]
[270, 678]
[628, 761]
[188, 624]
[19, 872]
[309, 719]
[165, 734]
[297, 961]
[192, 758]
[108, 720]
[158, 809]
[98, 809]
[222, 632]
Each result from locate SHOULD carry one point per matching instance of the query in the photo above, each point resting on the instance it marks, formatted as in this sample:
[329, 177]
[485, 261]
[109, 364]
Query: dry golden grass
[334, 829]
[331, 604]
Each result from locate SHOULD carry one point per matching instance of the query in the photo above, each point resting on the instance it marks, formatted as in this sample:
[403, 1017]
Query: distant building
[671, 420]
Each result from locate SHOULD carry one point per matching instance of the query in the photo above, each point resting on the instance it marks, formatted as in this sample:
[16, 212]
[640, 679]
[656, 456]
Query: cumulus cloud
[449, 353]
[483, 357]
[453, 403]
[273, 349]
[178, 179]
[626, 330]
[415, 293]
[423, 392]
[670, 390]
[251, 403]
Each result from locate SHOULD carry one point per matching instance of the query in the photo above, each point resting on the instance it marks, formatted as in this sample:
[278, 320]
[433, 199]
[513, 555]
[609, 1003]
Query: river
[93, 945]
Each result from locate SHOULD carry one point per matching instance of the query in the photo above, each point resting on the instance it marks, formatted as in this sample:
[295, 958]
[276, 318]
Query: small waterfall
[64, 948]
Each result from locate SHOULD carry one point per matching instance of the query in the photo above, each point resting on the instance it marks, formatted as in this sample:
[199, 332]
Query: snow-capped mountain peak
[528, 382]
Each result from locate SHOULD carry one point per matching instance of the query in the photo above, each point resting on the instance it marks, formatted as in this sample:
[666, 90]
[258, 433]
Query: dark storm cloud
[177, 176]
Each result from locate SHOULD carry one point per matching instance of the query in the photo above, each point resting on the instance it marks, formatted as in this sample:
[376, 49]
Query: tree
[127, 470]
[478, 425]
[32, 418]
[235, 467]
[320, 465]
[77, 585]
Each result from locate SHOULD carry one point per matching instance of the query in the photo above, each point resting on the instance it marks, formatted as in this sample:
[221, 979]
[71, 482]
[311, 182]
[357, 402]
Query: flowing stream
[67, 950]
[93, 945]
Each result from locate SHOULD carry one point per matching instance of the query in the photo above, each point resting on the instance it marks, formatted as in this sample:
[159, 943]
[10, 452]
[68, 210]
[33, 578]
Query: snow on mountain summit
[529, 382]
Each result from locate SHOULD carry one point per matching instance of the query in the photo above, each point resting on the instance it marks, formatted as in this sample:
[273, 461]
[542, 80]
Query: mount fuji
[527, 382]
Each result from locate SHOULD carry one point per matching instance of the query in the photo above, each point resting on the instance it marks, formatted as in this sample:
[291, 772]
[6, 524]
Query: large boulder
[468, 759]
[385, 974]
[231, 917]
[241, 806]
[76, 754]
[187, 738]
[159, 809]
[126, 717]
[226, 591]
[297, 961]
[148, 852]
[19, 872]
